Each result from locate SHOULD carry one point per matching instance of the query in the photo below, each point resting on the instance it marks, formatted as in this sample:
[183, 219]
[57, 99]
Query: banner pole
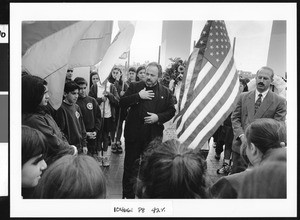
[159, 54]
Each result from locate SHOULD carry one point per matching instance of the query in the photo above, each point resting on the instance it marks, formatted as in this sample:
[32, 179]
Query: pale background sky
[251, 47]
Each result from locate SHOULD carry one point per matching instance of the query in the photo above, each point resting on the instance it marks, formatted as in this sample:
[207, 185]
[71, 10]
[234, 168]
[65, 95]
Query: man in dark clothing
[151, 105]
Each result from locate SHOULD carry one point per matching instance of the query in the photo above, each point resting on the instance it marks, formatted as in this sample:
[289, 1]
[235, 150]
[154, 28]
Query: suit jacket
[135, 129]
[273, 106]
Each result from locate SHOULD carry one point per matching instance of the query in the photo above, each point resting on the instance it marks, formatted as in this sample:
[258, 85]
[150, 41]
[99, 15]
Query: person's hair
[266, 68]
[138, 70]
[158, 67]
[243, 81]
[265, 181]
[265, 134]
[91, 76]
[80, 81]
[111, 79]
[25, 73]
[171, 170]
[33, 143]
[33, 88]
[72, 177]
[132, 69]
[70, 87]
[62, 152]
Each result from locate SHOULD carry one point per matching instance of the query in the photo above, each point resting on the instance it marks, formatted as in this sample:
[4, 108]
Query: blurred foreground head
[72, 177]
[171, 170]
[263, 136]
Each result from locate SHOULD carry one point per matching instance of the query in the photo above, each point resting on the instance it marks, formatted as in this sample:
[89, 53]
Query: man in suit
[150, 106]
[259, 103]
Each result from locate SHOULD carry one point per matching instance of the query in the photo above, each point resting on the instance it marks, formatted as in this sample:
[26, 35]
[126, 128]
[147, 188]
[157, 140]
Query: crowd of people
[63, 150]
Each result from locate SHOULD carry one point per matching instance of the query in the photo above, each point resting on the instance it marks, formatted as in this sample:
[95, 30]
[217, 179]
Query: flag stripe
[187, 78]
[204, 73]
[208, 121]
[200, 62]
[207, 132]
[210, 85]
[209, 107]
[203, 92]
[205, 78]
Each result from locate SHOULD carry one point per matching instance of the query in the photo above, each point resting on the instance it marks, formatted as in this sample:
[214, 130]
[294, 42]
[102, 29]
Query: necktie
[258, 102]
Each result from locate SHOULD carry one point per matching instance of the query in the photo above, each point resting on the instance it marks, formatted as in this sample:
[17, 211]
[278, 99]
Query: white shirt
[100, 90]
[263, 94]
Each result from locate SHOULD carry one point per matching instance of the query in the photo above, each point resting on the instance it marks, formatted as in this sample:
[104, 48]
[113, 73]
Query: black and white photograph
[152, 110]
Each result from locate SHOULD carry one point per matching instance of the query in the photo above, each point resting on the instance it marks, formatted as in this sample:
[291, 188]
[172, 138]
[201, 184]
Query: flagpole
[159, 54]
[126, 68]
[103, 116]
[128, 58]
[233, 46]
[119, 115]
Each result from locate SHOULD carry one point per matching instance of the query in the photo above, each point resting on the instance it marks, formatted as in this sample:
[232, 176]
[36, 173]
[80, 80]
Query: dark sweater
[44, 122]
[90, 112]
[69, 119]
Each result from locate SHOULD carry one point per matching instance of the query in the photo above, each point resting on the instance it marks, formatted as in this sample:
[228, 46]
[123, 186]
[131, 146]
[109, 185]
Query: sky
[251, 46]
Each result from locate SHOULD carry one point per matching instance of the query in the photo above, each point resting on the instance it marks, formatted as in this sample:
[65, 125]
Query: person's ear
[255, 151]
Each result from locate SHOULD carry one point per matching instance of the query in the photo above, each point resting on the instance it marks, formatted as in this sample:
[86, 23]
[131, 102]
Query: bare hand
[152, 118]
[91, 135]
[171, 84]
[85, 150]
[104, 98]
[146, 94]
[122, 93]
[118, 76]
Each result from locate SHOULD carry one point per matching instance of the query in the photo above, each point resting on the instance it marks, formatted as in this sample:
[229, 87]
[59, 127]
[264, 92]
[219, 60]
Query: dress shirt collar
[263, 94]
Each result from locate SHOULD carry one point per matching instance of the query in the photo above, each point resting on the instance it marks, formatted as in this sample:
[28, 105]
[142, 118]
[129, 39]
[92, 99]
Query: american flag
[209, 89]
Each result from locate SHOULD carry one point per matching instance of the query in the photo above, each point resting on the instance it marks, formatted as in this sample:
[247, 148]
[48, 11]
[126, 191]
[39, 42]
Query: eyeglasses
[69, 71]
